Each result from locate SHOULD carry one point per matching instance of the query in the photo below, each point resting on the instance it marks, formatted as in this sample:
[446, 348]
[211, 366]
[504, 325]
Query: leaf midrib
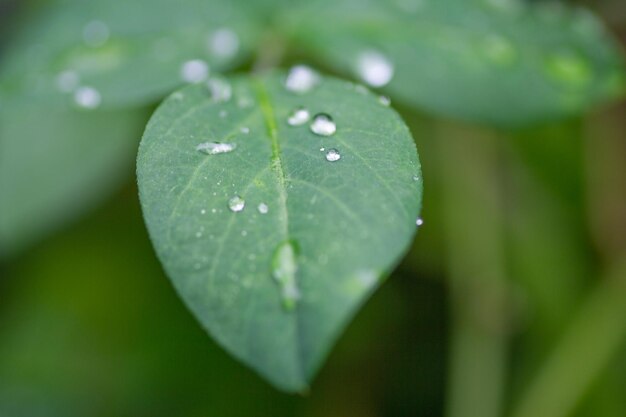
[277, 166]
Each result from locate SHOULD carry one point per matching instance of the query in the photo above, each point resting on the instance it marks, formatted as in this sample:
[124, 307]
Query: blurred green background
[532, 281]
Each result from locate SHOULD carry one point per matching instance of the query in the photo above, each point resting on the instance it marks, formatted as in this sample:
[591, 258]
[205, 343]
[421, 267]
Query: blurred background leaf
[502, 63]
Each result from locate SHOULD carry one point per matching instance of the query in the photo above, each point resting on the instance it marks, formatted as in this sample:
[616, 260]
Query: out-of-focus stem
[476, 271]
[591, 342]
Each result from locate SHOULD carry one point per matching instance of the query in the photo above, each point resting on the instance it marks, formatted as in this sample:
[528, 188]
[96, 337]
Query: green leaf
[490, 61]
[131, 51]
[272, 246]
[55, 162]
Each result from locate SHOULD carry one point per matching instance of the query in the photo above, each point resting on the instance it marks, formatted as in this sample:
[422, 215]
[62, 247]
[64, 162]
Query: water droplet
[333, 155]
[374, 68]
[223, 114]
[284, 269]
[416, 178]
[301, 79]
[263, 208]
[224, 43]
[419, 222]
[385, 101]
[68, 81]
[298, 117]
[95, 33]
[245, 130]
[87, 97]
[214, 148]
[220, 90]
[236, 204]
[194, 71]
[203, 211]
[322, 149]
[323, 125]
[244, 233]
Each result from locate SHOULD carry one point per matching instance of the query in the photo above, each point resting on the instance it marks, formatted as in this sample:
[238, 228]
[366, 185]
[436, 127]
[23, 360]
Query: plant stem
[592, 340]
[474, 234]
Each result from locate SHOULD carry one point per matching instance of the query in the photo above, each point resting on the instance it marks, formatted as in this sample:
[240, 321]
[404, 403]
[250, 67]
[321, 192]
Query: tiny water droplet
[236, 204]
[223, 114]
[375, 68]
[301, 79]
[245, 130]
[194, 71]
[220, 90]
[87, 97]
[323, 125]
[298, 117]
[419, 222]
[284, 269]
[333, 155]
[263, 208]
[224, 43]
[416, 178]
[322, 149]
[385, 101]
[203, 211]
[214, 148]
[95, 33]
[68, 81]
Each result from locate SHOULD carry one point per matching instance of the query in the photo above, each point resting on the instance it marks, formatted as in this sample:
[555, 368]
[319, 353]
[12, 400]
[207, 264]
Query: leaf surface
[133, 52]
[271, 245]
[505, 63]
[56, 161]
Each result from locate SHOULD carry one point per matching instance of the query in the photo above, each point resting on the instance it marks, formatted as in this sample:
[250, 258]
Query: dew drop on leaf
[301, 79]
[385, 101]
[298, 117]
[419, 222]
[194, 71]
[224, 43]
[323, 125]
[220, 90]
[263, 208]
[374, 68]
[236, 204]
[333, 155]
[214, 148]
[284, 269]
[87, 98]
[95, 33]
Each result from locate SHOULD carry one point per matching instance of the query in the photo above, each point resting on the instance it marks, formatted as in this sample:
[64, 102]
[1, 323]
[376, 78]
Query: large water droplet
[95, 33]
[87, 97]
[301, 79]
[68, 81]
[284, 269]
[374, 68]
[298, 117]
[224, 43]
[220, 90]
[333, 155]
[263, 208]
[236, 204]
[194, 71]
[323, 125]
[214, 148]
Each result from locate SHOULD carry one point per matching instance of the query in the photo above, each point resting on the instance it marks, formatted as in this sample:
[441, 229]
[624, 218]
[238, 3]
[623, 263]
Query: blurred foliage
[89, 325]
